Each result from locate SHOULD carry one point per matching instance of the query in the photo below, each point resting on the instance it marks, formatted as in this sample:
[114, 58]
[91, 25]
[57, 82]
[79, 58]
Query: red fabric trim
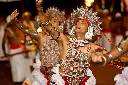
[15, 46]
[46, 76]
[84, 20]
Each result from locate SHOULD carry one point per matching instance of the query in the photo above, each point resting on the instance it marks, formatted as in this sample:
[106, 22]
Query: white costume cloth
[91, 80]
[20, 70]
[122, 79]
[56, 77]
[37, 78]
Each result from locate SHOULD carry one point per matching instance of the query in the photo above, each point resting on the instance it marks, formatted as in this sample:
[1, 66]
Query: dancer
[49, 50]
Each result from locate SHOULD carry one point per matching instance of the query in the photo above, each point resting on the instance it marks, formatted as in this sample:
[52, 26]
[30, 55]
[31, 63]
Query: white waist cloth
[20, 70]
[91, 80]
[37, 78]
[122, 79]
[56, 77]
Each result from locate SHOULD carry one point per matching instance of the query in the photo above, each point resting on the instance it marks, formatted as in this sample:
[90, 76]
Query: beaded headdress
[90, 17]
[54, 11]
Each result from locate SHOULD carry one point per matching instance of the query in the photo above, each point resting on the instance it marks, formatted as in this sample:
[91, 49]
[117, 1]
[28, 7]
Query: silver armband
[105, 61]
[120, 49]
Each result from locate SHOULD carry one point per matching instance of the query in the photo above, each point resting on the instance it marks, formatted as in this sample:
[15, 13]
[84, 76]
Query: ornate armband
[120, 49]
[105, 61]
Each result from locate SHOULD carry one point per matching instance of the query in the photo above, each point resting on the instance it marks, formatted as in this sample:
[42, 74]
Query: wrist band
[120, 49]
[105, 61]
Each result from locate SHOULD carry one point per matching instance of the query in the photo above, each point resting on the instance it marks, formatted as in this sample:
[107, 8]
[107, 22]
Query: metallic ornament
[90, 17]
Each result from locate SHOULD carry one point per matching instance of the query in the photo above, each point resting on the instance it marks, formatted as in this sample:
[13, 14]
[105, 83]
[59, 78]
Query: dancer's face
[81, 26]
[55, 21]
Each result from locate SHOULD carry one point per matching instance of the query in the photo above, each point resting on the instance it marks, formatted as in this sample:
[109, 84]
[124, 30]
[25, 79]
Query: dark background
[29, 5]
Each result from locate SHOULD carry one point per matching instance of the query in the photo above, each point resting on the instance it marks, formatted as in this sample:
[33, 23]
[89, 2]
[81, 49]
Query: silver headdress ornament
[90, 17]
[53, 11]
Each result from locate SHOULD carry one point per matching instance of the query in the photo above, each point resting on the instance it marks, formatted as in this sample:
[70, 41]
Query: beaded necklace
[76, 63]
[78, 43]
[49, 52]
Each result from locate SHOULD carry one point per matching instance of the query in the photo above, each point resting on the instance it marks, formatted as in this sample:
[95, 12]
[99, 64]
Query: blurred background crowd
[112, 14]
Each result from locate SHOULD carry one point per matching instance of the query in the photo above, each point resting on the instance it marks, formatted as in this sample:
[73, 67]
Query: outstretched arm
[33, 34]
[46, 24]
[121, 49]
[113, 54]
[40, 11]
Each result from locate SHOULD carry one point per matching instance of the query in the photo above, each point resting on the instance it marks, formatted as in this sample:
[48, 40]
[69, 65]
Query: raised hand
[14, 15]
[39, 3]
